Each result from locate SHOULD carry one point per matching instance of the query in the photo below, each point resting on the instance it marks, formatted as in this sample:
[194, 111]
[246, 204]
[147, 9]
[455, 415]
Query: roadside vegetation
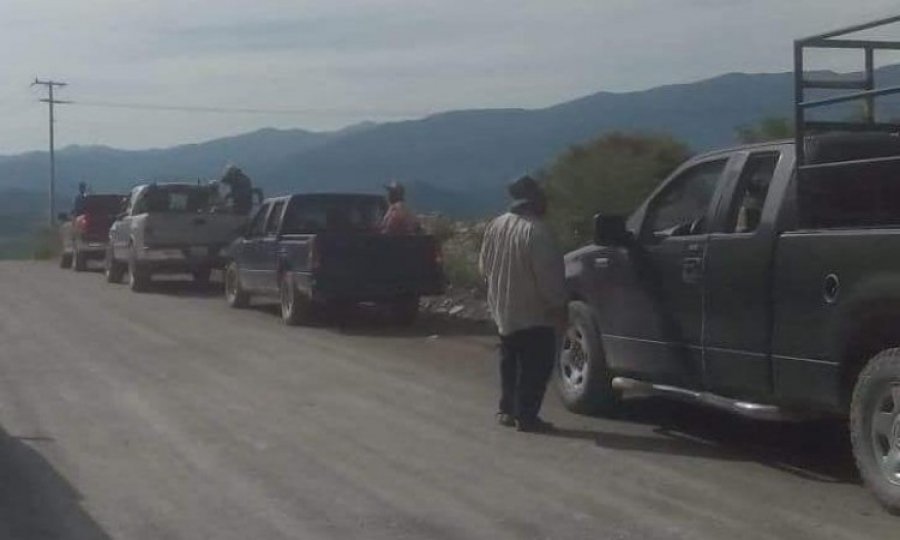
[611, 174]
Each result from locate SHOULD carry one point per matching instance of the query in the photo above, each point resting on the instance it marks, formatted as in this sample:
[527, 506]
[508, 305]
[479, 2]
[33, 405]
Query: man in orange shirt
[398, 219]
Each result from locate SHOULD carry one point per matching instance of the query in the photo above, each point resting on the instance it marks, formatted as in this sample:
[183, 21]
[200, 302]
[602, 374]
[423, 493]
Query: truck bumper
[181, 260]
[324, 290]
[92, 249]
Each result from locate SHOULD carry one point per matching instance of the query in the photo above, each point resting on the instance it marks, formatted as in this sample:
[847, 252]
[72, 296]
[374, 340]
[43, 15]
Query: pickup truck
[84, 236]
[169, 228]
[743, 285]
[316, 249]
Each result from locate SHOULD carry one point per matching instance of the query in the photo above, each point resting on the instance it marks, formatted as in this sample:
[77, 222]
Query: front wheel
[295, 306]
[235, 294]
[583, 379]
[138, 277]
[875, 427]
[113, 270]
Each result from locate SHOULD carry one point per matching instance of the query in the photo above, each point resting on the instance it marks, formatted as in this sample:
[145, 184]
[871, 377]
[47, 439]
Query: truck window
[255, 229]
[274, 218]
[855, 196]
[681, 208]
[311, 215]
[752, 189]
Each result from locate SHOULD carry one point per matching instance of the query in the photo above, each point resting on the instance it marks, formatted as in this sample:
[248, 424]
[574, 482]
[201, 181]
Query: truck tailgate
[188, 229]
[379, 265]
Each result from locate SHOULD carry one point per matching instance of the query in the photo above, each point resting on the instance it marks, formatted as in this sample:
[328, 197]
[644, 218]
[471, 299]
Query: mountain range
[455, 162]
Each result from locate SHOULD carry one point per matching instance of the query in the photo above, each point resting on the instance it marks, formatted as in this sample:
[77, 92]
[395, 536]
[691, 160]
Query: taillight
[82, 222]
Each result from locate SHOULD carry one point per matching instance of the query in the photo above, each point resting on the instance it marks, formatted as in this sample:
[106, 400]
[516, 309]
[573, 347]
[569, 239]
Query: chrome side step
[758, 411]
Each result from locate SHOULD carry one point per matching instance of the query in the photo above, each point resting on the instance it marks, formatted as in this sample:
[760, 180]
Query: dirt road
[168, 415]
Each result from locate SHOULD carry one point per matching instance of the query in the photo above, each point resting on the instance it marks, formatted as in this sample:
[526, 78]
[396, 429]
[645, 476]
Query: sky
[326, 64]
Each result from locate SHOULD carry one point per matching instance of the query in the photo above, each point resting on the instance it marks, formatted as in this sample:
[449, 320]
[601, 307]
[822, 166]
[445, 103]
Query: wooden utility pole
[51, 102]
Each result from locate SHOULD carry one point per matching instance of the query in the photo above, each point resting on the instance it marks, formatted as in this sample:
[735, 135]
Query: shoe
[535, 426]
[506, 420]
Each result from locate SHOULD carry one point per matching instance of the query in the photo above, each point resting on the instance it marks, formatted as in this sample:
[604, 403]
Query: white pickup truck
[169, 228]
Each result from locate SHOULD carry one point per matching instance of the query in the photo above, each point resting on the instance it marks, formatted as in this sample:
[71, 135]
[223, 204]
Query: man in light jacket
[525, 275]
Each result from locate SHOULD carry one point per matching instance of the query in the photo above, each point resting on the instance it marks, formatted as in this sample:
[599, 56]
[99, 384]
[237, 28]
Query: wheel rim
[885, 432]
[573, 360]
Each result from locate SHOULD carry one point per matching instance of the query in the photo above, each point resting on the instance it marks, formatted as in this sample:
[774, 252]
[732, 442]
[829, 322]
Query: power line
[220, 110]
[50, 85]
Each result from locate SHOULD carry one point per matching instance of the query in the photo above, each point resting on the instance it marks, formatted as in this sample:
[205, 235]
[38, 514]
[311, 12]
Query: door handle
[694, 249]
[691, 269]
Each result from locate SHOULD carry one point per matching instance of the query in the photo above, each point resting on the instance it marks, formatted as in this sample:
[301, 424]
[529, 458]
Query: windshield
[310, 215]
[175, 199]
[103, 204]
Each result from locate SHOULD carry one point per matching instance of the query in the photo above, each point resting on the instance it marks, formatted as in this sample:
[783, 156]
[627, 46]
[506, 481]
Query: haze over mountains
[455, 162]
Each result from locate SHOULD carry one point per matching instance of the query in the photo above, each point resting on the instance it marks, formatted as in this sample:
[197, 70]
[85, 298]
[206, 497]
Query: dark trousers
[527, 358]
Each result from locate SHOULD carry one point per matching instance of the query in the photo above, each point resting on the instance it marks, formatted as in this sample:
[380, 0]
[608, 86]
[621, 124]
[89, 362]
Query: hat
[526, 189]
[395, 188]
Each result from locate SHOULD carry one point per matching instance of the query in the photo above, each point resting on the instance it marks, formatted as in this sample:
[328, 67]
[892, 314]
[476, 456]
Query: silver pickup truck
[171, 228]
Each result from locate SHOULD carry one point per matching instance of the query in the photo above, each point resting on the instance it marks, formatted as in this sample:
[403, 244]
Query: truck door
[269, 249]
[120, 231]
[739, 281]
[657, 331]
[248, 252]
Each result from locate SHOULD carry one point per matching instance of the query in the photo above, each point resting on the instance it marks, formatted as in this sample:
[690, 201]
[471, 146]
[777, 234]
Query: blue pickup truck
[326, 249]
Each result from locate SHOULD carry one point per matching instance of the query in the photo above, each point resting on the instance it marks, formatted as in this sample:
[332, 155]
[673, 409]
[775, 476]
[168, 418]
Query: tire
[875, 427]
[201, 276]
[235, 294]
[295, 306]
[138, 277]
[65, 260]
[404, 311]
[79, 261]
[582, 376]
[113, 270]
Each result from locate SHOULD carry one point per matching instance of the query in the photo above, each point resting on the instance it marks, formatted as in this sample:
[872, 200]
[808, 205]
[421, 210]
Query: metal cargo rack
[864, 90]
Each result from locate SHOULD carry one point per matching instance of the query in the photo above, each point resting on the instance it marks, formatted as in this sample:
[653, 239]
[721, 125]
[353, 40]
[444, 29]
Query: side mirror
[62, 217]
[611, 231]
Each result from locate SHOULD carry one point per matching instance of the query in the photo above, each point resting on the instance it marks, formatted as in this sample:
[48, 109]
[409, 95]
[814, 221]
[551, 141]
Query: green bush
[612, 175]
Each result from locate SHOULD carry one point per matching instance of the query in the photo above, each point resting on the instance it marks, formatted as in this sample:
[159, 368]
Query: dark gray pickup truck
[325, 249]
[741, 285]
[762, 280]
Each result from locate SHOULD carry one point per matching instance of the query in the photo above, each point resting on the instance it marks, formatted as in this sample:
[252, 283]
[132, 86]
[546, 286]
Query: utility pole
[51, 102]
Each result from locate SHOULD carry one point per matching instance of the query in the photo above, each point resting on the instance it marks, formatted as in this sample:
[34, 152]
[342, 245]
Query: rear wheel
[583, 379]
[138, 276]
[295, 306]
[79, 260]
[405, 310]
[65, 260]
[875, 427]
[112, 269]
[235, 294]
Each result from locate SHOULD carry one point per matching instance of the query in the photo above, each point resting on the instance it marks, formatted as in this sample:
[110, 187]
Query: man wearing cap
[398, 219]
[80, 197]
[240, 190]
[525, 276]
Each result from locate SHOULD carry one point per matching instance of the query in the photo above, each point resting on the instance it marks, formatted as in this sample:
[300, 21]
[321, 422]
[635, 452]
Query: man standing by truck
[525, 275]
[398, 219]
[240, 190]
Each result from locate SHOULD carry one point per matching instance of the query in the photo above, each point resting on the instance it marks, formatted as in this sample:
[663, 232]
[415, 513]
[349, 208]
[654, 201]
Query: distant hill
[455, 162]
